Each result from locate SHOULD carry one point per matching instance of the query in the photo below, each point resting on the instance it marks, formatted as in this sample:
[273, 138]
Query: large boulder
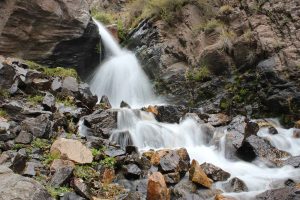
[157, 188]
[69, 39]
[13, 186]
[288, 193]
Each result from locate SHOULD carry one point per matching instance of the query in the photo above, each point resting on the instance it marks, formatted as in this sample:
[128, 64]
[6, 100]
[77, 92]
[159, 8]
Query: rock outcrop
[55, 33]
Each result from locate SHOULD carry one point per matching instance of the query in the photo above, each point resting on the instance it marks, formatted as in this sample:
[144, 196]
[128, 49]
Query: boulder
[70, 84]
[24, 137]
[38, 127]
[172, 178]
[81, 188]
[215, 173]
[19, 161]
[157, 188]
[219, 119]
[132, 171]
[255, 146]
[235, 185]
[293, 161]
[14, 186]
[85, 96]
[68, 25]
[30, 169]
[105, 102]
[7, 75]
[72, 150]
[61, 176]
[170, 113]
[198, 176]
[288, 193]
[49, 102]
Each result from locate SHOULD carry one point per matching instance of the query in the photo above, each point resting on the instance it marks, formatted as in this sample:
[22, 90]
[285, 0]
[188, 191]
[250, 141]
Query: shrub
[109, 162]
[199, 74]
[56, 192]
[4, 93]
[85, 172]
[40, 143]
[50, 157]
[36, 99]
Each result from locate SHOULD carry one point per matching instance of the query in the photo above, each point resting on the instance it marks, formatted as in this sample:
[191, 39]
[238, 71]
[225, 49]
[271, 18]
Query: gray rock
[24, 137]
[105, 102]
[132, 171]
[30, 169]
[19, 161]
[38, 127]
[215, 173]
[71, 84]
[288, 193]
[235, 185]
[14, 186]
[61, 176]
[293, 161]
[49, 102]
[81, 188]
[56, 84]
[71, 196]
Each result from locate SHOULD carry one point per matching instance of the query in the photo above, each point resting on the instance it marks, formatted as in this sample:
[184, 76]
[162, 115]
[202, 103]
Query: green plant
[227, 37]
[40, 143]
[103, 17]
[3, 113]
[35, 99]
[198, 74]
[33, 65]
[4, 93]
[121, 30]
[96, 152]
[50, 157]
[56, 192]
[224, 104]
[211, 25]
[85, 172]
[67, 101]
[18, 146]
[226, 9]
[109, 162]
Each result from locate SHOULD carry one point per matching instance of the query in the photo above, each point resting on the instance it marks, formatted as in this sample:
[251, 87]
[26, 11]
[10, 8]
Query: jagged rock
[133, 196]
[70, 84]
[131, 149]
[218, 119]
[221, 197]
[215, 173]
[30, 169]
[19, 161]
[235, 185]
[14, 186]
[296, 133]
[81, 188]
[107, 175]
[272, 130]
[169, 162]
[105, 102]
[255, 146]
[251, 128]
[24, 137]
[157, 188]
[114, 152]
[59, 163]
[198, 176]
[62, 175]
[49, 102]
[56, 84]
[5, 133]
[38, 127]
[124, 105]
[132, 171]
[70, 19]
[172, 178]
[72, 150]
[41, 83]
[7, 75]
[170, 113]
[71, 196]
[288, 193]
[86, 96]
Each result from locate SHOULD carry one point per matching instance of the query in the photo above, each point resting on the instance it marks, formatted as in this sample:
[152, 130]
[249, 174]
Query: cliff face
[57, 33]
[245, 58]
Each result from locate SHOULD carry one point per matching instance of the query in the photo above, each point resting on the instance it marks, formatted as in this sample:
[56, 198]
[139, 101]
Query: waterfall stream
[121, 77]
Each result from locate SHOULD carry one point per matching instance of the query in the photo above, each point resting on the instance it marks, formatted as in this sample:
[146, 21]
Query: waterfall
[121, 77]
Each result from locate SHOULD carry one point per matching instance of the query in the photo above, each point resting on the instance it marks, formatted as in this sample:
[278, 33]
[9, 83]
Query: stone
[30, 169]
[172, 178]
[81, 188]
[251, 128]
[71, 84]
[152, 109]
[272, 130]
[287, 193]
[61, 176]
[107, 175]
[222, 197]
[72, 150]
[132, 171]
[19, 162]
[41, 83]
[7, 74]
[157, 188]
[86, 97]
[170, 113]
[71, 196]
[255, 146]
[56, 84]
[169, 162]
[105, 102]
[14, 186]
[219, 119]
[235, 185]
[114, 152]
[59, 163]
[124, 105]
[39, 126]
[293, 161]
[24, 137]
[198, 176]
[215, 173]
[296, 133]
[49, 102]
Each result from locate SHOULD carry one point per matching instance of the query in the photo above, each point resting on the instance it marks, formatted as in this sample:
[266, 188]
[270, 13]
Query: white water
[121, 78]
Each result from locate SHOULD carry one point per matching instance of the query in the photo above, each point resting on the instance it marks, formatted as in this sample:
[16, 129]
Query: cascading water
[121, 78]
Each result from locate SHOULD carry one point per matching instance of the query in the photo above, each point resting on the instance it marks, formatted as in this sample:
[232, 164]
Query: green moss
[103, 17]
[56, 192]
[35, 99]
[18, 146]
[224, 104]
[33, 65]
[4, 93]
[199, 74]
[50, 157]
[67, 101]
[122, 32]
[3, 113]
[96, 152]
[85, 172]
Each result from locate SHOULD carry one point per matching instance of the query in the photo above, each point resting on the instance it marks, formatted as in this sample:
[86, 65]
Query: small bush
[40, 143]
[109, 162]
[4, 93]
[199, 74]
[85, 172]
[227, 37]
[67, 101]
[36, 99]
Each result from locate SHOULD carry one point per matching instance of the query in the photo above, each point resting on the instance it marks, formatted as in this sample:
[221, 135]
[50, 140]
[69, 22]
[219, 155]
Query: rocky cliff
[56, 33]
[235, 56]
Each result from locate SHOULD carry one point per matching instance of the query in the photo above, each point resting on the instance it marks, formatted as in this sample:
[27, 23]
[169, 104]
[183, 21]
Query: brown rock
[58, 163]
[72, 150]
[198, 176]
[152, 109]
[221, 197]
[297, 124]
[108, 175]
[218, 119]
[157, 188]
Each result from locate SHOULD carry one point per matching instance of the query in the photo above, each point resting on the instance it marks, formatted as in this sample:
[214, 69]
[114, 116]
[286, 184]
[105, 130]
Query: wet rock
[70, 84]
[19, 161]
[222, 197]
[81, 188]
[170, 113]
[251, 128]
[24, 137]
[288, 193]
[218, 119]
[272, 130]
[38, 127]
[172, 178]
[105, 102]
[215, 173]
[296, 133]
[131, 149]
[198, 176]
[132, 171]
[255, 146]
[122, 138]
[71, 196]
[124, 105]
[293, 161]
[14, 186]
[235, 185]
[169, 162]
[49, 102]
[193, 116]
[86, 96]
[157, 188]
[72, 150]
[61, 176]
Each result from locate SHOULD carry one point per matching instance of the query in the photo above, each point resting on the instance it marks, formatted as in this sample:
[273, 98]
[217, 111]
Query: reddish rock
[198, 176]
[157, 188]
